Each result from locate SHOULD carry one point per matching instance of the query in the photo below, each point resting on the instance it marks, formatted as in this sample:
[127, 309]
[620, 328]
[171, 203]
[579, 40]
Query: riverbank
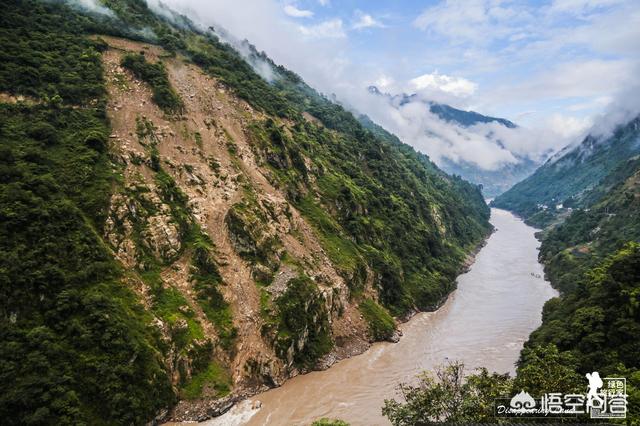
[200, 410]
[485, 322]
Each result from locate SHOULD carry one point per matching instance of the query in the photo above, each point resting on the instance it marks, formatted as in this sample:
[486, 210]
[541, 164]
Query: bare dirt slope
[208, 153]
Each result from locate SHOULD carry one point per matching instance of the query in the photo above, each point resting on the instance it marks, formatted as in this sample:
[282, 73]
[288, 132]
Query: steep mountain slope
[593, 258]
[494, 182]
[591, 252]
[173, 227]
[565, 180]
[608, 220]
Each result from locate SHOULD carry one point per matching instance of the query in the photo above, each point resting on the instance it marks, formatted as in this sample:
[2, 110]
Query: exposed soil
[187, 145]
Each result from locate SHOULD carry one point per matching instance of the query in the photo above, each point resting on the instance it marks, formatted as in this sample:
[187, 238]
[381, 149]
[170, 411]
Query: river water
[483, 323]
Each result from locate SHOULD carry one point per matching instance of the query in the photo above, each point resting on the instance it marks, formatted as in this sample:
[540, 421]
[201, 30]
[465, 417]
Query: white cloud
[472, 21]
[324, 2]
[414, 123]
[456, 86]
[293, 11]
[590, 104]
[366, 21]
[332, 28]
[579, 7]
[384, 82]
[624, 107]
[575, 79]
[91, 5]
[567, 127]
[616, 32]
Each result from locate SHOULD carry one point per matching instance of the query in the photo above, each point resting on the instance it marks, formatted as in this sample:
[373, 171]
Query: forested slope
[564, 179]
[591, 252]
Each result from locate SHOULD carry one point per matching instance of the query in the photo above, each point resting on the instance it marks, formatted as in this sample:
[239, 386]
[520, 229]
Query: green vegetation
[172, 307]
[404, 218]
[341, 250]
[302, 323]
[156, 76]
[247, 225]
[452, 396]
[597, 320]
[329, 422]
[448, 397]
[214, 376]
[381, 323]
[75, 345]
[43, 55]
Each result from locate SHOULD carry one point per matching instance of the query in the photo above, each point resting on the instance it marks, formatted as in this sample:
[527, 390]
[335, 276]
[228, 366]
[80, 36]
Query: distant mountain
[493, 182]
[566, 181]
[446, 112]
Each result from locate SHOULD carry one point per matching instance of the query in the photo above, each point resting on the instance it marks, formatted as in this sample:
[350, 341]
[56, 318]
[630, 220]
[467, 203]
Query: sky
[551, 66]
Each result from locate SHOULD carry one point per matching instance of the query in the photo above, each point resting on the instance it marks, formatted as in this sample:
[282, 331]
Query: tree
[448, 397]
[544, 369]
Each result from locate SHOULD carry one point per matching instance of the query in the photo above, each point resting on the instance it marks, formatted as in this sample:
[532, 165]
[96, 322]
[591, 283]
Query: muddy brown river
[483, 323]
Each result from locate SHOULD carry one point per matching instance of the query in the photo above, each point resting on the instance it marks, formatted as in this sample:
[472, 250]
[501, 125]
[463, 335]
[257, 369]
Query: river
[483, 323]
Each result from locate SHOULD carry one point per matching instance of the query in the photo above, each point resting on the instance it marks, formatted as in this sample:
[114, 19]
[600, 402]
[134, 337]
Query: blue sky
[550, 66]
[524, 58]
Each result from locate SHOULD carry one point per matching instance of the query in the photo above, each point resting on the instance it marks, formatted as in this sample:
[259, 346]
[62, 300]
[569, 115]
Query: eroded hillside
[194, 178]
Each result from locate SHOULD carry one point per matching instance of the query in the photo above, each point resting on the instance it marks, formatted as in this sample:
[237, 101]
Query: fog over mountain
[318, 42]
[464, 143]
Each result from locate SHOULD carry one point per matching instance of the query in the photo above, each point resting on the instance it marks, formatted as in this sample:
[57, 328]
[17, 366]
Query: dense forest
[77, 346]
[593, 258]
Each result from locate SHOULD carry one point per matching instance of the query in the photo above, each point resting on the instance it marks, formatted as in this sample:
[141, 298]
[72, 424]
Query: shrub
[381, 323]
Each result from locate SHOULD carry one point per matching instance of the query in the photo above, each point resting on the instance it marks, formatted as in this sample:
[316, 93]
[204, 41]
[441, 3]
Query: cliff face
[177, 232]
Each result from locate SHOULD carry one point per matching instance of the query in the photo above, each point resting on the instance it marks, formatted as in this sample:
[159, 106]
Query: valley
[192, 232]
[485, 322]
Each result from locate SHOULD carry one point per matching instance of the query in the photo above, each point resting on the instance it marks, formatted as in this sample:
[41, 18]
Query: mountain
[565, 179]
[593, 258]
[494, 182]
[177, 233]
[465, 118]
[587, 199]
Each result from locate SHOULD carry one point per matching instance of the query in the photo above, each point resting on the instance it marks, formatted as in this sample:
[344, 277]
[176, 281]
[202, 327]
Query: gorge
[484, 322]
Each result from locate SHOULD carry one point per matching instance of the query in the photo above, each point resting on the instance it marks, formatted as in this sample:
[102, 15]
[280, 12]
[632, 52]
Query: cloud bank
[470, 40]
